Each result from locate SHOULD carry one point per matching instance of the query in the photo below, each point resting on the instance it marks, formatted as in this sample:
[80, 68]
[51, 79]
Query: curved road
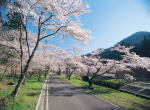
[61, 95]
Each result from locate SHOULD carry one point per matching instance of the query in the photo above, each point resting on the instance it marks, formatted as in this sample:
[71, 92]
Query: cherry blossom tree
[130, 62]
[58, 65]
[40, 20]
[71, 64]
[48, 60]
[96, 67]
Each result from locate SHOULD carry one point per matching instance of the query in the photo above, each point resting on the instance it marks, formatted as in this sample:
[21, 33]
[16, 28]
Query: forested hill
[141, 41]
[136, 38]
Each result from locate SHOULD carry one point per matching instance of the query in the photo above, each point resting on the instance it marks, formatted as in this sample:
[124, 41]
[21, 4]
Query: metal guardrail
[138, 92]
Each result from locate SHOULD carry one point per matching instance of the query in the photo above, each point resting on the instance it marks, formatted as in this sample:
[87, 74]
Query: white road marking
[40, 97]
[47, 95]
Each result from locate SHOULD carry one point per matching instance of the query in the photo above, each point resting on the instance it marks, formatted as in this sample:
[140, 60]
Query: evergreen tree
[146, 47]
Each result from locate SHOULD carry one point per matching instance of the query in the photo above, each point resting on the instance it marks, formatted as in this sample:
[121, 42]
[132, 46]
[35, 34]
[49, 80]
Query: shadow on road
[62, 95]
[66, 89]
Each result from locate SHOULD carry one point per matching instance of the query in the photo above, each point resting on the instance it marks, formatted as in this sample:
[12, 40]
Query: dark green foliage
[14, 21]
[146, 47]
[143, 49]
[106, 83]
[88, 55]
[108, 54]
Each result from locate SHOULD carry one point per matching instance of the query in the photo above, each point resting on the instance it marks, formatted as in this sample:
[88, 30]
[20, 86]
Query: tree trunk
[39, 77]
[59, 72]
[69, 77]
[14, 93]
[45, 75]
[15, 73]
[24, 80]
[90, 83]
[11, 72]
[22, 77]
[66, 76]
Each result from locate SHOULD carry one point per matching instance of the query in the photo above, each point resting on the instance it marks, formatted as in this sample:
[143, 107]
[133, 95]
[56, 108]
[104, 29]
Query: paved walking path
[58, 94]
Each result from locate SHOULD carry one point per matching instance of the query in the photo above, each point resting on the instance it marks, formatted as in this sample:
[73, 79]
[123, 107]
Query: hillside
[141, 41]
[136, 38]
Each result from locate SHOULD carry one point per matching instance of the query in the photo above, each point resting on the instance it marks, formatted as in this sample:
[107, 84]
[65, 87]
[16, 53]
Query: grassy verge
[122, 99]
[27, 97]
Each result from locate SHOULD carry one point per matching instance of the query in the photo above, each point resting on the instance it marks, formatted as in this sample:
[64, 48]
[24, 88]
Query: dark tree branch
[107, 70]
[26, 31]
[52, 33]
[47, 19]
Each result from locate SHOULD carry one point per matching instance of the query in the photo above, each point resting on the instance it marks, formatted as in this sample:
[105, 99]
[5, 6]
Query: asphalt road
[61, 95]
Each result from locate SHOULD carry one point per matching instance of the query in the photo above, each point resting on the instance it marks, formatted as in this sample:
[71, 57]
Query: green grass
[122, 99]
[27, 97]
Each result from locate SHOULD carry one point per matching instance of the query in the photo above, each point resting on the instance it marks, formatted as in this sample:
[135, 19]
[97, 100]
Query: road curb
[46, 96]
[38, 106]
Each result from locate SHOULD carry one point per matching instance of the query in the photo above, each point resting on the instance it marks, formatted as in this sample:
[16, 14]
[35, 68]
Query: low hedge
[106, 83]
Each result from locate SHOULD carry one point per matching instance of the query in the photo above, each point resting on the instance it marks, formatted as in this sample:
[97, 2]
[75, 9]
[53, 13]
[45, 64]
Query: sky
[113, 20]
[110, 21]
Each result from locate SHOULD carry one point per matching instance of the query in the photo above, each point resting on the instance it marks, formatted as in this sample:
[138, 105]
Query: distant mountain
[95, 52]
[141, 41]
[136, 38]
[106, 53]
